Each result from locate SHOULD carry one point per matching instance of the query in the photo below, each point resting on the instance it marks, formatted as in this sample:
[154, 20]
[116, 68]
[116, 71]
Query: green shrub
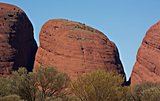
[147, 92]
[100, 86]
[50, 82]
[46, 82]
[11, 98]
[4, 87]
[22, 83]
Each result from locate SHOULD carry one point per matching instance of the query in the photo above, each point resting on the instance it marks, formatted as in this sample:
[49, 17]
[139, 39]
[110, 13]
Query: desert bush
[11, 98]
[22, 83]
[37, 86]
[147, 92]
[100, 86]
[4, 87]
[50, 82]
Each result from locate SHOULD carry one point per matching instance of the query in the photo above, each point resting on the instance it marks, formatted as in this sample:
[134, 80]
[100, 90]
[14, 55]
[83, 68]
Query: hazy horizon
[123, 22]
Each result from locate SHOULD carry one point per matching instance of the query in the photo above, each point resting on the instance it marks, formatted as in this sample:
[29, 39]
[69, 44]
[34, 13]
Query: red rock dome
[75, 48]
[147, 66]
[17, 44]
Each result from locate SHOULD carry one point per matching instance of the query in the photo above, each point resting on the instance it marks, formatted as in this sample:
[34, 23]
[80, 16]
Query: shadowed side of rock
[75, 48]
[17, 44]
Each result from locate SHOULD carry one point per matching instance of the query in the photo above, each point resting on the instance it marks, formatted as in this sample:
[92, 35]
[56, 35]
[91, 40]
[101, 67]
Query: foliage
[147, 92]
[50, 82]
[4, 86]
[47, 84]
[100, 86]
[22, 83]
[11, 98]
[37, 86]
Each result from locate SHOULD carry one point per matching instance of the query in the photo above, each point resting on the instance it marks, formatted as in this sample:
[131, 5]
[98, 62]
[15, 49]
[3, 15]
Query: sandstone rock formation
[17, 44]
[75, 48]
[147, 66]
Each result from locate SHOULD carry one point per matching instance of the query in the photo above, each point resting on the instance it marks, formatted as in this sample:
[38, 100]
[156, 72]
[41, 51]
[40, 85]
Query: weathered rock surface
[75, 48]
[147, 66]
[17, 44]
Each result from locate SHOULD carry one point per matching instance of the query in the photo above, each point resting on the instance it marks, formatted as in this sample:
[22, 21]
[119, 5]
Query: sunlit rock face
[75, 48]
[147, 66]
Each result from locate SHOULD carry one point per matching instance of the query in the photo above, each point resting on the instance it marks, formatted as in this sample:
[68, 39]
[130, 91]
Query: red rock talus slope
[17, 45]
[147, 66]
[75, 48]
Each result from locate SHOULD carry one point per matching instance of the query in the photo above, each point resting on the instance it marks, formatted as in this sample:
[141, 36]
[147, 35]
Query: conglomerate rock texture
[17, 44]
[75, 48]
[147, 66]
